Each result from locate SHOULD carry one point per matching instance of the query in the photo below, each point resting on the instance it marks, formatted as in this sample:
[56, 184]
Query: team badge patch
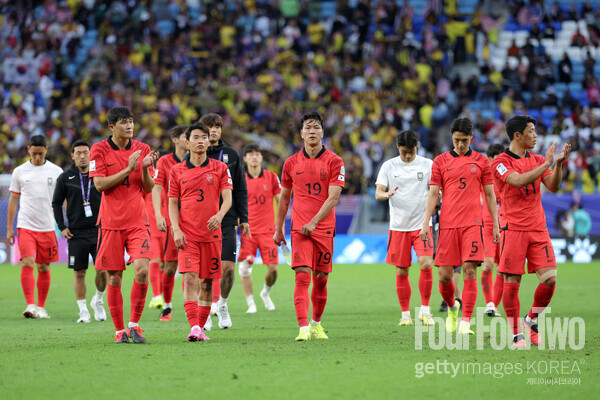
[473, 169]
[501, 169]
[420, 176]
[323, 175]
[209, 178]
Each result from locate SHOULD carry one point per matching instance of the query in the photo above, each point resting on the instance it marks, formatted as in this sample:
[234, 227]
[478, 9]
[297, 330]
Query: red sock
[168, 283]
[301, 297]
[447, 292]
[425, 285]
[541, 298]
[28, 284]
[203, 312]
[216, 288]
[469, 296]
[486, 285]
[138, 299]
[43, 287]
[403, 291]
[191, 311]
[512, 305]
[155, 275]
[319, 297]
[498, 289]
[115, 306]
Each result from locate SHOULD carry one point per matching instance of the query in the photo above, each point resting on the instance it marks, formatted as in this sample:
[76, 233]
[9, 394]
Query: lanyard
[221, 155]
[86, 199]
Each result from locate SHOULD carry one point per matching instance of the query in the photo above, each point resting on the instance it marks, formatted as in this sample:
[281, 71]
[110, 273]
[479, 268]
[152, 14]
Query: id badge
[88, 210]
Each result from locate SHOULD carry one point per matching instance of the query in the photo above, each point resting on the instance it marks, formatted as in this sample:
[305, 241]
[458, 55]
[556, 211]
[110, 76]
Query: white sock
[122, 330]
[424, 310]
[132, 324]
[250, 299]
[267, 289]
[223, 300]
[195, 326]
[304, 327]
[405, 314]
[455, 306]
[168, 305]
[98, 295]
[463, 322]
[528, 320]
[82, 305]
[314, 323]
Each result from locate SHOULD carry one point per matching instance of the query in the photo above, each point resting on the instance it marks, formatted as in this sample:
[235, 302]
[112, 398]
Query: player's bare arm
[432, 200]
[147, 181]
[103, 183]
[552, 181]
[13, 203]
[215, 221]
[333, 197]
[282, 209]
[161, 222]
[490, 199]
[178, 235]
[526, 178]
[381, 192]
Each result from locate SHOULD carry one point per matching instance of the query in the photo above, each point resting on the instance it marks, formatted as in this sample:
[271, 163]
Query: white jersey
[407, 206]
[36, 186]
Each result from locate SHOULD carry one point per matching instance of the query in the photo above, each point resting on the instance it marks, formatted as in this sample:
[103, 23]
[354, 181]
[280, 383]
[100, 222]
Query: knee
[550, 281]
[425, 262]
[245, 269]
[488, 265]
[80, 274]
[114, 280]
[445, 280]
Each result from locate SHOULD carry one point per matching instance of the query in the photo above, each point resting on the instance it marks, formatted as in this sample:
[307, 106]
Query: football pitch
[368, 356]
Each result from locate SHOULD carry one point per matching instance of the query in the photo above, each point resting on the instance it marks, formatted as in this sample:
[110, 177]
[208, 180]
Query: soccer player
[316, 176]
[31, 187]
[263, 188]
[404, 182]
[459, 174]
[492, 293]
[83, 204]
[237, 215]
[160, 201]
[195, 188]
[157, 245]
[122, 171]
[519, 173]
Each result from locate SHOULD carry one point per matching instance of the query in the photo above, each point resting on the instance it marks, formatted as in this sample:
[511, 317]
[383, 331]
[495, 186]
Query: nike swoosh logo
[110, 165]
[449, 169]
[71, 177]
[299, 173]
[185, 181]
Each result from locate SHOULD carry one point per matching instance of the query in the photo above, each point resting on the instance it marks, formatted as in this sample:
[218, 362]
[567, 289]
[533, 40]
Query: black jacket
[68, 186]
[239, 206]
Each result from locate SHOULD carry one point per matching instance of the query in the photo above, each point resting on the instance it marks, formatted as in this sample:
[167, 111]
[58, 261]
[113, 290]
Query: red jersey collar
[259, 175]
[175, 157]
[318, 154]
[455, 154]
[190, 165]
[115, 147]
[515, 156]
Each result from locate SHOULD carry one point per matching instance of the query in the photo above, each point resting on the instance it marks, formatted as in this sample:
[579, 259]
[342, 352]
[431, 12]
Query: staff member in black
[82, 204]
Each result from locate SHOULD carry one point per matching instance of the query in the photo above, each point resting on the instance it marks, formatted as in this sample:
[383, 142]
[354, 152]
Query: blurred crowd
[370, 67]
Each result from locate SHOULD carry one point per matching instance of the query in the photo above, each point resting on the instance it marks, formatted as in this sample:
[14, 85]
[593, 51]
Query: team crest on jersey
[420, 176]
[323, 175]
[473, 169]
[226, 158]
[49, 181]
[265, 188]
[209, 178]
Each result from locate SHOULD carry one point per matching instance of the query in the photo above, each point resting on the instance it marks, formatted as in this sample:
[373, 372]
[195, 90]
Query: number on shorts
[52, 251]
[146, 244]
[215, 265]
[474, 248]
[324, 258]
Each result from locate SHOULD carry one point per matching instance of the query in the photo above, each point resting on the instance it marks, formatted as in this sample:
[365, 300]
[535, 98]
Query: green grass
[367, 356]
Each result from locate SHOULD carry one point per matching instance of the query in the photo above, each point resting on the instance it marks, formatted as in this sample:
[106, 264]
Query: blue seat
[534, 113]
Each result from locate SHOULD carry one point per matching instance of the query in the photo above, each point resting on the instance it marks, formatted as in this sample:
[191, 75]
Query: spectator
[582, 220]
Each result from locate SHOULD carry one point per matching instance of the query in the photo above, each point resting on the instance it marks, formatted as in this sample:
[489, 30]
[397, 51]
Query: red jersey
[261, 191]
[163, 172]
[487, 218]
[310, 178]
[122, 206]
[199, 192]
[461, 179]
[521, 207]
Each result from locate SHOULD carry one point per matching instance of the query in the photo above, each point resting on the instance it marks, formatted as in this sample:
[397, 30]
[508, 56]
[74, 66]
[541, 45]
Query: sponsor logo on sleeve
[501, 169]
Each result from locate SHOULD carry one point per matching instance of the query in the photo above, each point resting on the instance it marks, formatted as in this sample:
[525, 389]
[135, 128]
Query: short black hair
[79, 142]
[117, 114]
[494, 149]
[251, 148]
[518, 123]
[463, 125]
[194, 127]
[210, 120]
[311, 115]
[408, 138]
[37, 140]
[177, 131]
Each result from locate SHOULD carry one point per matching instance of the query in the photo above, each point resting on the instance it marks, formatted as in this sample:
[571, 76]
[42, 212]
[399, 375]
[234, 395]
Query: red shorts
[169, 248]
[113, 243]
[203, 258]
[400, 244]
[312, 251]
[492, 250]
[264, 242]
[157, 243]
[41, 245]
[517, 246]
[458, 245]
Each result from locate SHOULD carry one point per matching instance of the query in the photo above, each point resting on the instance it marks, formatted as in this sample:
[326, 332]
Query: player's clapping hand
[308, 228]
[133, 159]
[550, 154]
[179, 238]
[214, 222]
[391, 192]
[150, 159]
[565, 153]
